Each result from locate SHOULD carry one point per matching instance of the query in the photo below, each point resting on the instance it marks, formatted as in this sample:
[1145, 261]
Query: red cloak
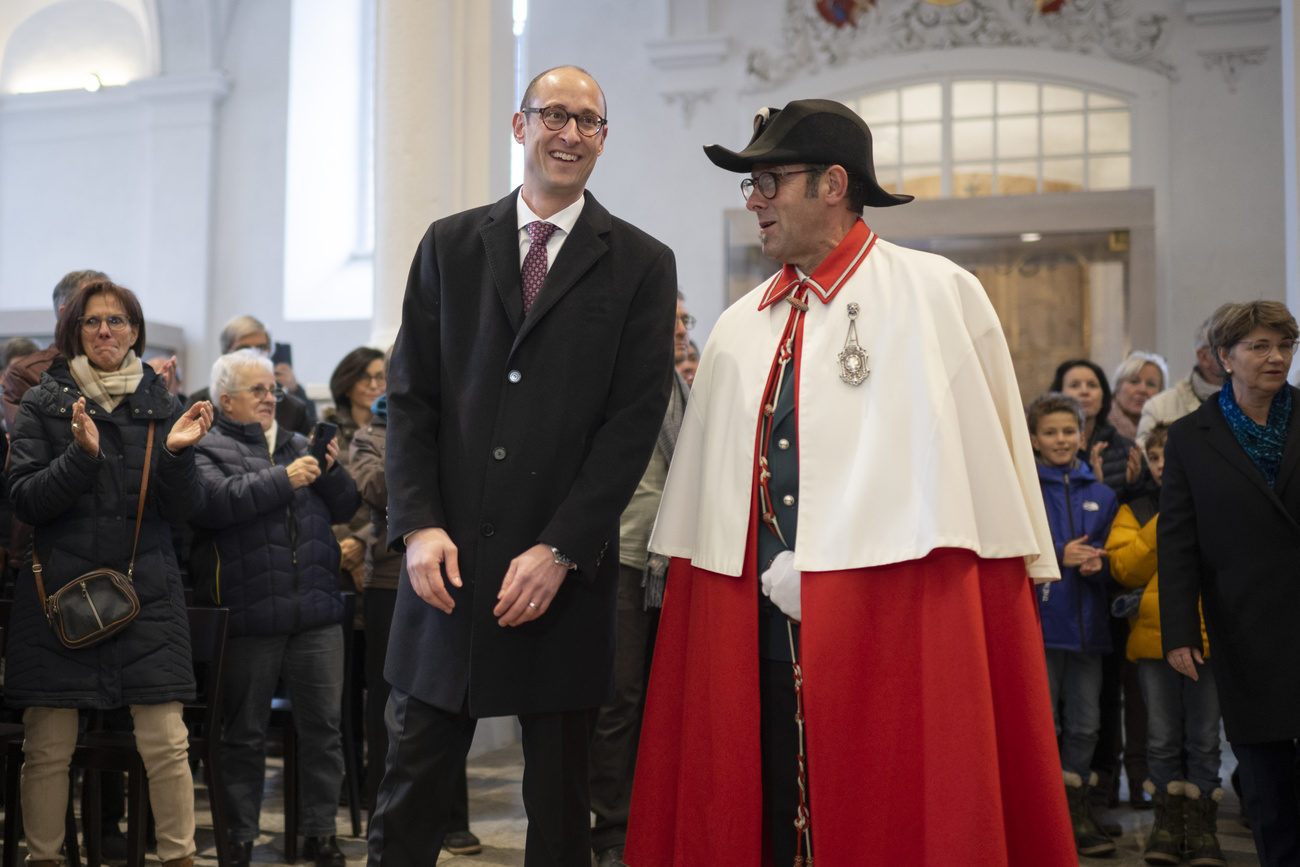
[929, 728]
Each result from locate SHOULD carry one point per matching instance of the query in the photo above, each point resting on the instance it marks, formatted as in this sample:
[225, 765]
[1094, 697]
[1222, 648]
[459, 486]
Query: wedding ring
[74, 425]
[532, 604]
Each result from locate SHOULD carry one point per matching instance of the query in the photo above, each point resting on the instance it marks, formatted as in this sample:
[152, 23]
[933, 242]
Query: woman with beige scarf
[79, 446]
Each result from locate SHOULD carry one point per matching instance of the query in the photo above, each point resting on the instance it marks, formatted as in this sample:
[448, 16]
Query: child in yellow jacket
[1182, 714]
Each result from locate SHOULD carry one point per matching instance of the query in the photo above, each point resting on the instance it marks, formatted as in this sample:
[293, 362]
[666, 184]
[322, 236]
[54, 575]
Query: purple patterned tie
[534, 268]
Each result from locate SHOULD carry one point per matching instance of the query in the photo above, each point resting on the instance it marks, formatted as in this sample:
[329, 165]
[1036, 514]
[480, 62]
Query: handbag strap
[139, 517]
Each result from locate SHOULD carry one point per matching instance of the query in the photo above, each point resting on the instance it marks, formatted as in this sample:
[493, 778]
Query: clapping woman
[76, 470]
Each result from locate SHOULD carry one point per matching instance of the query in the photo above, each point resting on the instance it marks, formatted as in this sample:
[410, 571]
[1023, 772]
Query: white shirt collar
[563, 220]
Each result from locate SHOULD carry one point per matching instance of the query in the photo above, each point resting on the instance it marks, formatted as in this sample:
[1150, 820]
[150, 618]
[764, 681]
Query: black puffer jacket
[84, 512]
[262, 548]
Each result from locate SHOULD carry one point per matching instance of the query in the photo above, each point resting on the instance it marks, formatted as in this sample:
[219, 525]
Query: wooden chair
[282, 713]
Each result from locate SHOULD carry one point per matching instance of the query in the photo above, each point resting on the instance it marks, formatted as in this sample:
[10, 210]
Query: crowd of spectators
[248, 510]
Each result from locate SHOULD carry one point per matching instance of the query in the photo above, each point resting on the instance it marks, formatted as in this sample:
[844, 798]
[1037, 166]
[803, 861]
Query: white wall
[249, 216]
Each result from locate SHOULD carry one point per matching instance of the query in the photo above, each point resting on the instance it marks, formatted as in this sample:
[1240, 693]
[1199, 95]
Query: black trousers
[780, 744]
[379, 620]
[1268, 790]
[618, 724]
[427, 750]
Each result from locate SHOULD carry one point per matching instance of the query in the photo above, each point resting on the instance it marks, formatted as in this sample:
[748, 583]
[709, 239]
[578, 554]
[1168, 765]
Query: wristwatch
[561, 560]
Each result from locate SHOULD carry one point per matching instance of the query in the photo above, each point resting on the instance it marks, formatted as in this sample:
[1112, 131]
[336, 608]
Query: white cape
[931, 451]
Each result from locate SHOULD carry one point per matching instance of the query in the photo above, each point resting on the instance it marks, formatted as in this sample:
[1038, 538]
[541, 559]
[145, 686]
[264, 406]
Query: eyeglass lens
[92, 323]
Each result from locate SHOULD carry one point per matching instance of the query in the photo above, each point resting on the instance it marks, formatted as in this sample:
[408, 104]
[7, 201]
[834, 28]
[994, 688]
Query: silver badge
[853, 361]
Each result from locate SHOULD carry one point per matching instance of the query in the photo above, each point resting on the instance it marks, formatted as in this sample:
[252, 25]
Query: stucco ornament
[1109, 27]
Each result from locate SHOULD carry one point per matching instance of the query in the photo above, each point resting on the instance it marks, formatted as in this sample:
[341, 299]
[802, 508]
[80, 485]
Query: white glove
[781, 584]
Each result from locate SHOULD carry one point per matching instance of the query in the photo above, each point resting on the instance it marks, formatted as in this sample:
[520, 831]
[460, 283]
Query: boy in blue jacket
[1075, 611]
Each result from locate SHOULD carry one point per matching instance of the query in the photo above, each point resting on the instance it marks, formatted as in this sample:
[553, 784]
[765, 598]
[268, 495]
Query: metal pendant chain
[784, 355]
[802, 818]
[853, 360]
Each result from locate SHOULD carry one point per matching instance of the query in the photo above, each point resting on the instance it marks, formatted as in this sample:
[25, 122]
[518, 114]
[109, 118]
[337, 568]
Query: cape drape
[929, 726]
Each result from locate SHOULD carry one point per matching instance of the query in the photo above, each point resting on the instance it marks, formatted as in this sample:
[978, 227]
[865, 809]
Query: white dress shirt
[562, 220]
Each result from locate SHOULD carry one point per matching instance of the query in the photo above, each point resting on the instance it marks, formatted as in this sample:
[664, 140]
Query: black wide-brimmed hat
[818, 131]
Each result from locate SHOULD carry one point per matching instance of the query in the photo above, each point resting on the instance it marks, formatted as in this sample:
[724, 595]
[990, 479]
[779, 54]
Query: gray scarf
[656, 570]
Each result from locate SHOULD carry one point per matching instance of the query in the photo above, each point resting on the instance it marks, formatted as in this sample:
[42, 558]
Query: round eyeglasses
[767, 182]
[557, 119]
[1263, 349]
[116, 324]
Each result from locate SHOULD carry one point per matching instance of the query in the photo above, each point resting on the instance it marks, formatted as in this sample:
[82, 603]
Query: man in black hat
[854, 514]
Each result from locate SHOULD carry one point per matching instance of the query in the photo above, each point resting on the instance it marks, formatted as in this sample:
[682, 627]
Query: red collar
[830, 274]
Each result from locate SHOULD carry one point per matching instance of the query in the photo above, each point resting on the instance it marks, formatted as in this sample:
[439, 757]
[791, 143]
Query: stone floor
[497, 817]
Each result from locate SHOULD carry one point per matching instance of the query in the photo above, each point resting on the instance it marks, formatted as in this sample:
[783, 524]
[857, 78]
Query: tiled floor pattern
[497, 817]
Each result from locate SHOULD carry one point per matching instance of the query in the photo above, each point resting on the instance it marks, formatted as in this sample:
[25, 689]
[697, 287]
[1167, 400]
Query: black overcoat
[83, 509]
[506, 431]
[1230, 540]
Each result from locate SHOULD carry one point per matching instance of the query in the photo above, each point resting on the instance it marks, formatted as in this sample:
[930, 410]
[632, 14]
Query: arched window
[990, 136]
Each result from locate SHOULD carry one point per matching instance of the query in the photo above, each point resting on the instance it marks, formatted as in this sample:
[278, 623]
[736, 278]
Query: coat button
[514, 376]
[499, 453]
[487, 529]
[65, 389]
[783, 443]
[788, 499]
[63, 409]
[92, 412]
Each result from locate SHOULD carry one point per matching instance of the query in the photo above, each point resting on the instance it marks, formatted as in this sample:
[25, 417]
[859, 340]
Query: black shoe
[611, 858]
[325, 850]
[241, 853]
[462, 843]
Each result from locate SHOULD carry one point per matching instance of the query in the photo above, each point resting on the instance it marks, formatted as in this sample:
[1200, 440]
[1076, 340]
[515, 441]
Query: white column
[444, 97]
[444, 88]
[1291, 131]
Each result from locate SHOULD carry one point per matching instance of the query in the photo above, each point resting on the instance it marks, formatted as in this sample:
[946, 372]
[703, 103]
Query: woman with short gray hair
[264, 549]
[1228, 535]
[1138, 378]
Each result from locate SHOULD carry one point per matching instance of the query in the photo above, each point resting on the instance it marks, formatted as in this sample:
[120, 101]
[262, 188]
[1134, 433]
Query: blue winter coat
[1076, 610]
[262, 548]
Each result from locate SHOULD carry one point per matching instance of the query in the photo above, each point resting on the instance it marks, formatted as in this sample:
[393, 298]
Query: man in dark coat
[524, 400]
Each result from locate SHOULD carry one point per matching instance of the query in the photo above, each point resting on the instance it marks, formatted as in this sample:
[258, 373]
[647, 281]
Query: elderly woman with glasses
[1228, 538]
[264, 548]
[81, 442]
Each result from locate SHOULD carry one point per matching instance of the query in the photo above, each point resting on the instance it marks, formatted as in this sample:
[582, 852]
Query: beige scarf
[108, 387]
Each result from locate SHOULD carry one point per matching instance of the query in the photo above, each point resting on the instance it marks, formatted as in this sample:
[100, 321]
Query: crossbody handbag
[100, 603]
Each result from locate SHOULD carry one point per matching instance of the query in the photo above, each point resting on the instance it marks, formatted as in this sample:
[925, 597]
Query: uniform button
[788, 499]
[514, 376]
[783, 443]
[487, 529]
[499, 453]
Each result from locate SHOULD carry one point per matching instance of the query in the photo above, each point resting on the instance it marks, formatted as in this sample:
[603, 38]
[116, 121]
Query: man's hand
[303, 471]
[782, 583]
[530, 584]
[428, 552]
[1181, 659]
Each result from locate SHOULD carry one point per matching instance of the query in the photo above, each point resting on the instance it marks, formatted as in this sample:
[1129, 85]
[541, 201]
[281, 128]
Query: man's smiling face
[557, 163]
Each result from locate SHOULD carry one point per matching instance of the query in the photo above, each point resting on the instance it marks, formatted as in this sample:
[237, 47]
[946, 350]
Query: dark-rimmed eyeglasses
[260, 392]
[557, 119]
[767, 182]
[116, 324]
[380, 378]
